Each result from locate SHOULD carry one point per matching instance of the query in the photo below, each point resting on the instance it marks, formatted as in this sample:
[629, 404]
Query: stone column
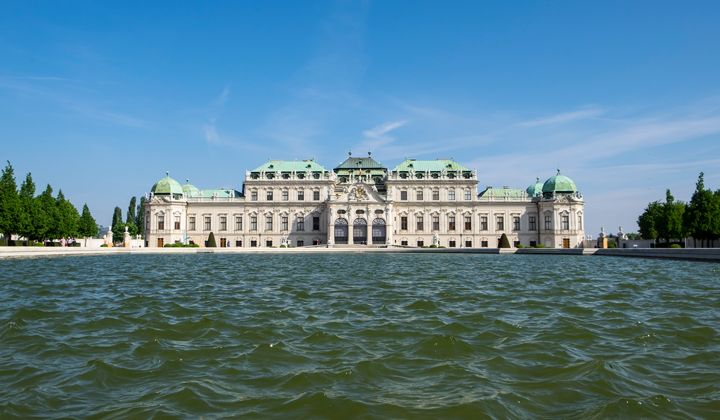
[127, 242]
[330, 226]
[389, 225]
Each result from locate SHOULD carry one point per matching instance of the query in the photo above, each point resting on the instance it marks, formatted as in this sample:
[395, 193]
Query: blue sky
[102, 98]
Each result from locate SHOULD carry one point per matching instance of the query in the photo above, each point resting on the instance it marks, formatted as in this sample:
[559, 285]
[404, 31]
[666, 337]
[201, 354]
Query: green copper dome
[167, 186]
[559, 184]
[190, 190]
[536, 189]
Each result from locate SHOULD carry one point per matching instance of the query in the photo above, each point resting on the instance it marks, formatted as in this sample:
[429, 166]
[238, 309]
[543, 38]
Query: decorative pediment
[358, 192]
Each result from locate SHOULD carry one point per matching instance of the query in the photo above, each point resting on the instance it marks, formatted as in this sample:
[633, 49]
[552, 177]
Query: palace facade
[362, 203]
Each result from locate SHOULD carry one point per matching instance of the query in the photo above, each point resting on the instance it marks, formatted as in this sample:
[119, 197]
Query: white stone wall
[193, 219]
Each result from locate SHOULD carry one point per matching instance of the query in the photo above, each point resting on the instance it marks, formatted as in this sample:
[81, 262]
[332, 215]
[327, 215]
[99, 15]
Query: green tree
[118, 227]
[671, 219]
[132, 208]
[68, 217]
[28, 208]
[211, 241]
[44, 226]
[140, 217]
[702, 218]
[504, 241]
[87, 227]
[649, 221]
[9, 203]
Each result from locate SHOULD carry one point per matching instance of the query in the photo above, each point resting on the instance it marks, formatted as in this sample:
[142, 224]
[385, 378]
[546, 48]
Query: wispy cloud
[69, 98]
[217, 107]
[381, 130]
[563, 118]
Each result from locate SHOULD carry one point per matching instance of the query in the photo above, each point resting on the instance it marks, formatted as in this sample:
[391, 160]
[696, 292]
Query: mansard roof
[437, 165]
[504, 192]
[219, 193]
[290, 166]
[360, 163]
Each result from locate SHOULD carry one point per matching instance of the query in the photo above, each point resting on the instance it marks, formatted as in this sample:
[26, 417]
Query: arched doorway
[378, 231]
[341, 231]
[360, 231]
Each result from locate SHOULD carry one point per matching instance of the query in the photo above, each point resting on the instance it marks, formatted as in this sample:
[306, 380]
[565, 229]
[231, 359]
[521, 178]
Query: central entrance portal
[378, 231]
[341, 231]
[360, 231]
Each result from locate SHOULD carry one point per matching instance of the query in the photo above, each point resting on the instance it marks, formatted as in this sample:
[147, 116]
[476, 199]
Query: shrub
[504, 241]
[520, 246]
[211, 241]
[181, 245]
[103, 246]
[675, 246]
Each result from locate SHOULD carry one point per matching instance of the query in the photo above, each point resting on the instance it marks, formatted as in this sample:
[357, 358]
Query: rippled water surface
[369, 335]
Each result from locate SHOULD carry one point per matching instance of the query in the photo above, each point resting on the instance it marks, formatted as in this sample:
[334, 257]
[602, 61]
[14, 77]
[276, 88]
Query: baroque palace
[362, 203]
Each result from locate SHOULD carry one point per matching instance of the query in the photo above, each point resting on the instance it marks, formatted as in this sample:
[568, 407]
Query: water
[359, 335]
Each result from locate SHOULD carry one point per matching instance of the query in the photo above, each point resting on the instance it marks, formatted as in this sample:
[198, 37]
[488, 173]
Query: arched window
[360, 231]
[341, 231]
[379, 231]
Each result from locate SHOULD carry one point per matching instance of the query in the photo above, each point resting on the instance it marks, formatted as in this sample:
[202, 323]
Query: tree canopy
[38, 218]
[675, 220]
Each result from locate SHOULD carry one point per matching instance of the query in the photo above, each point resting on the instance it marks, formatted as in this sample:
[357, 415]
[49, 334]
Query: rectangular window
[403, 222]
[565, 222]
[468, 244]
[284, 223]
[403, 195]
[238, 222]
[516, 223]
[177, 222]
[285, 195]
[451, 194]
[420, 243]
[316, 195]
[451, 222]
[223, 222]
[483, 223]
[300, 243]
[269, 195]
[420, 223]
[532, 223]
[268, 222]
[301, 195]
[516, 244]
[316, 223]
[468, 196]
[253, 195]
[419, 195]
[468, 222]
[580, 222]
[208, 223]
[500, 223]
[191, 223]
[484, 244]
[253, 223]
[300, 224]
[533, 243]
[238, 243]
[403, 243]
[451, 244]
[268, 243]
[436, 222]
[161, 222]
[436, 194]
[253, 244]
[548, 222]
